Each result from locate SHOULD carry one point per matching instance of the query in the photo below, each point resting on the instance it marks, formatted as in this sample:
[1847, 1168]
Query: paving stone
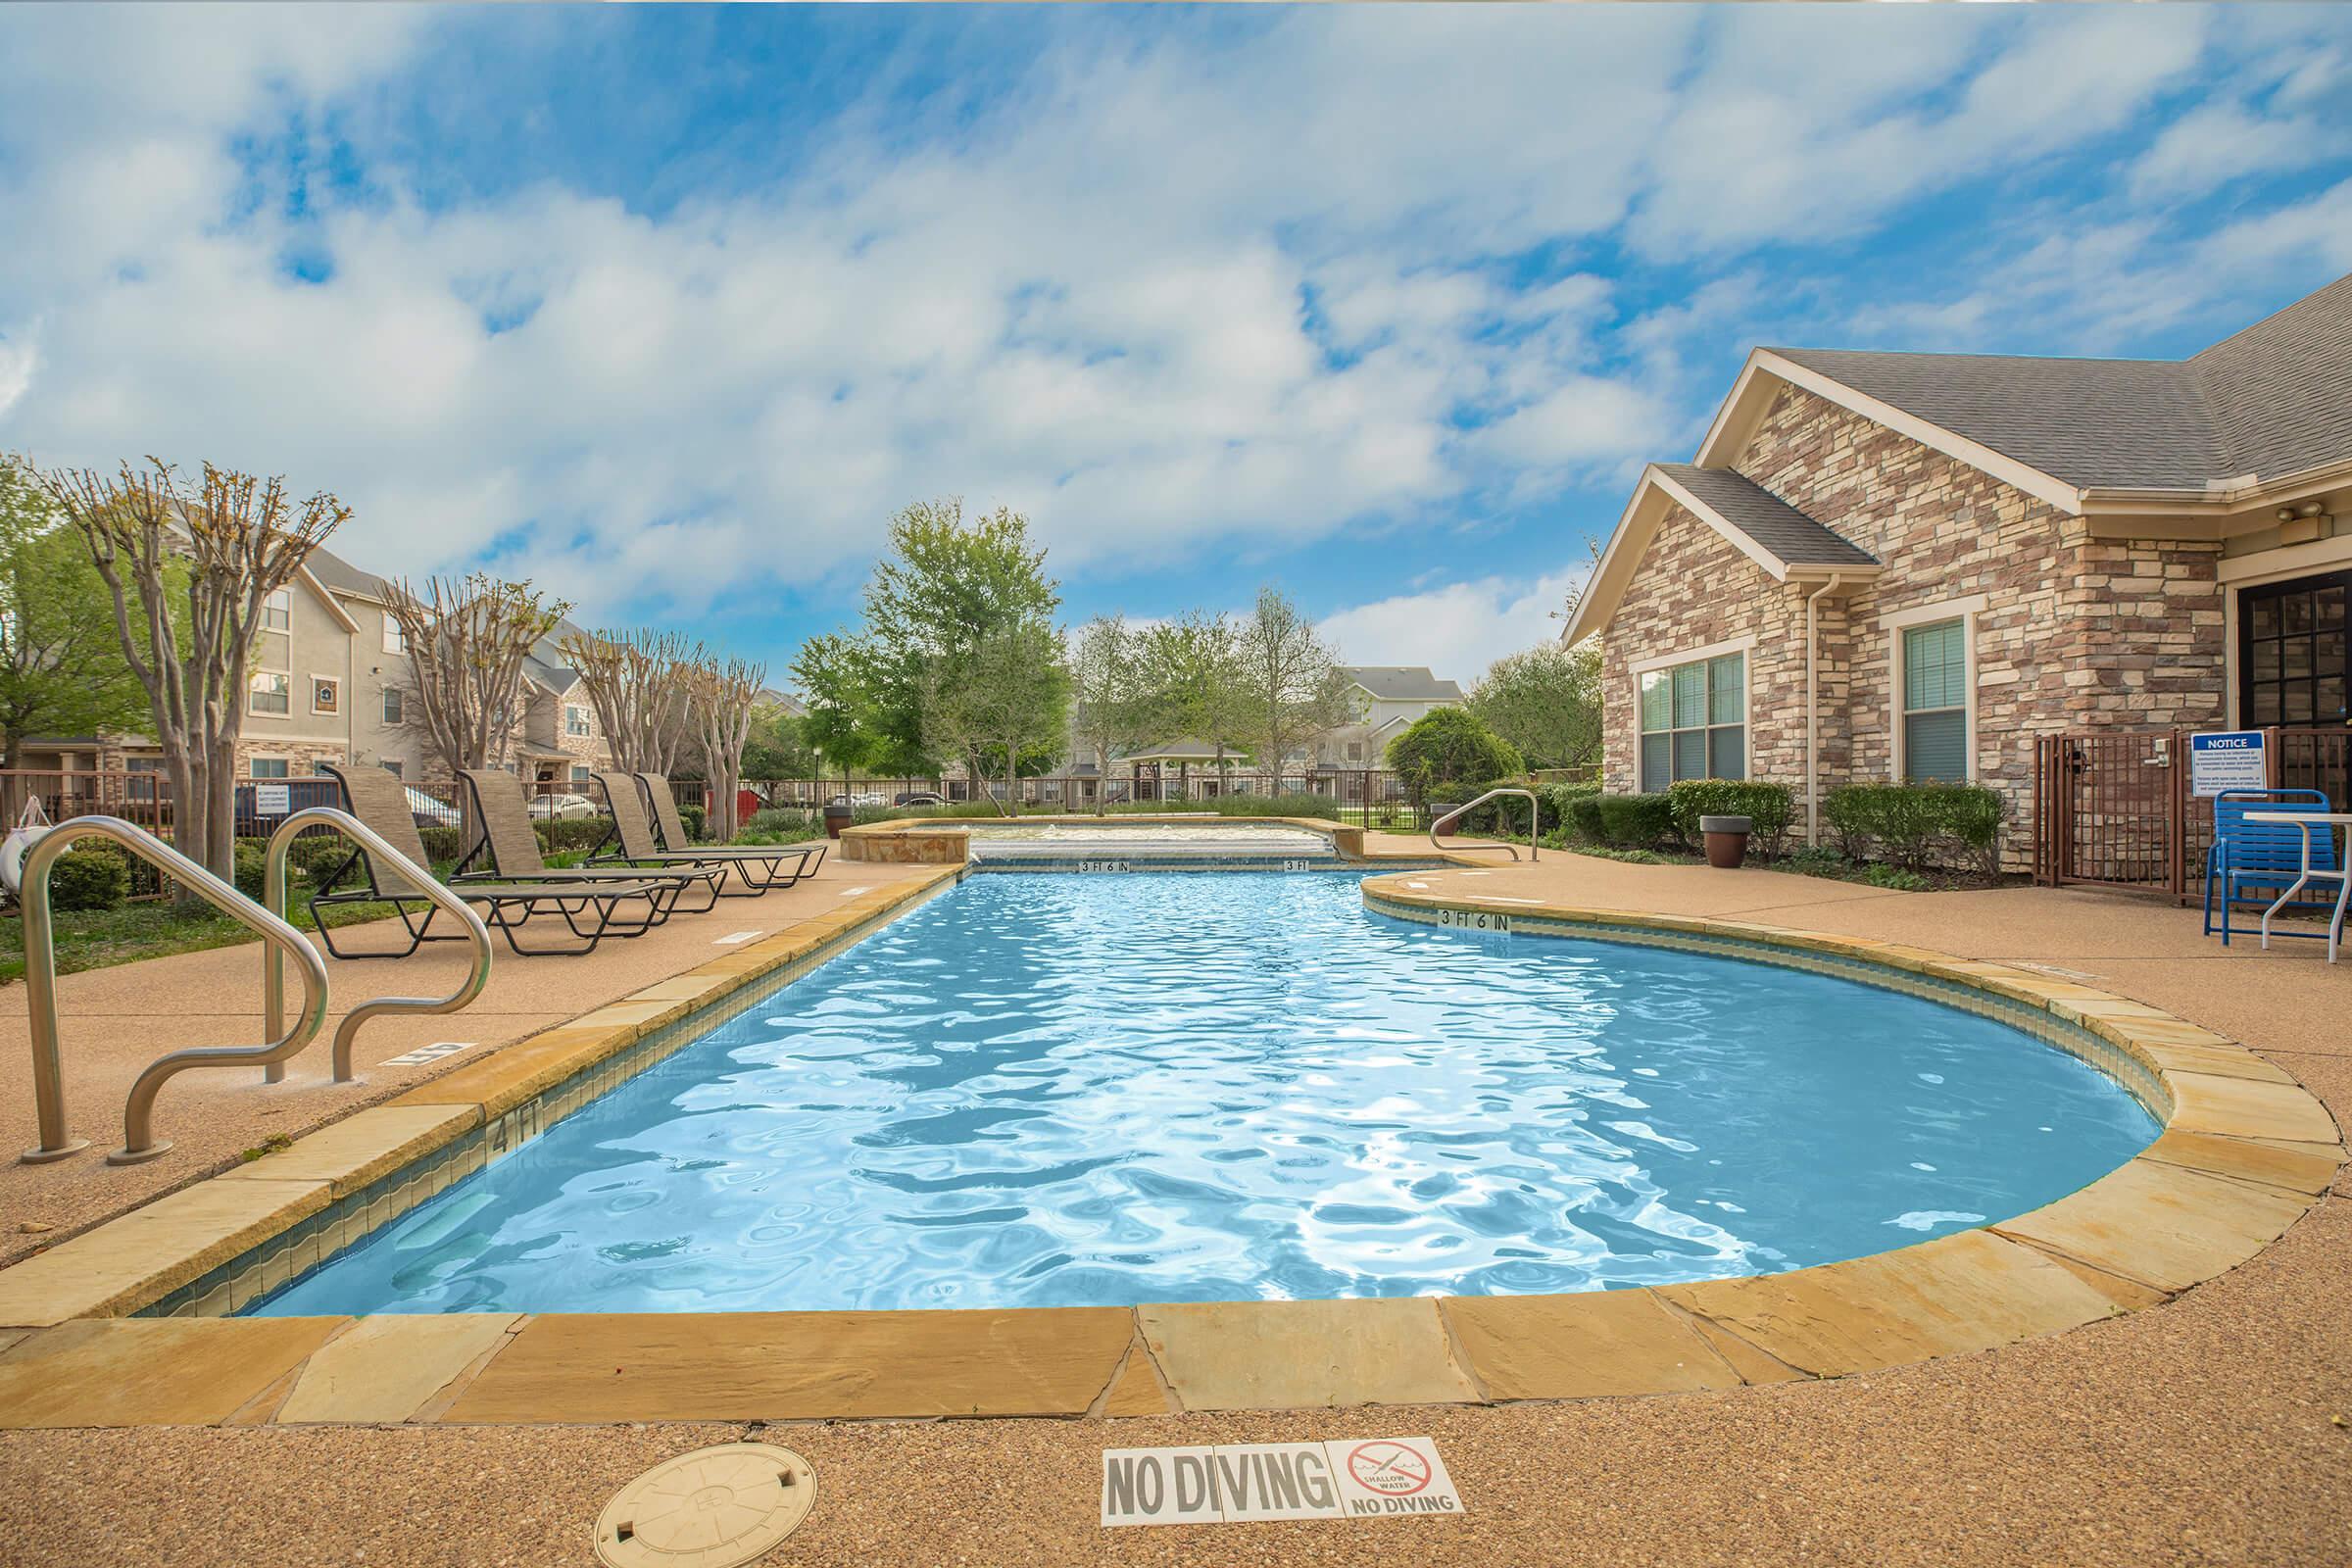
[350, 1154]
[1955, 1294]
[2161, 1224]
[500, 1082]
[382, 1369]
[1752, 1364]
[2223, 1060]
[1586, 1345]
[2304, 1168]
[1136, 1391]
[2239, 1107]
[131, 1262]
[1276, 1355]
[675, 1366]
[151, 1371]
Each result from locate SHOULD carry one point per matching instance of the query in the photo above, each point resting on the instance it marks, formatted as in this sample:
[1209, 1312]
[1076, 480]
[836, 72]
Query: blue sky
[669, 307]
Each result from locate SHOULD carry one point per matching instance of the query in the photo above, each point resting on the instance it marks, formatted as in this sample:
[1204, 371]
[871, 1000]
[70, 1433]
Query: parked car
[919, 797]
[430, 812]
[865, 798]
[562, 808]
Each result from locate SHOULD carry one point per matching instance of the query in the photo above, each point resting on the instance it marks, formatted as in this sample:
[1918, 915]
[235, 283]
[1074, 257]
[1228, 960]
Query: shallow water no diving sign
[1236, 1483]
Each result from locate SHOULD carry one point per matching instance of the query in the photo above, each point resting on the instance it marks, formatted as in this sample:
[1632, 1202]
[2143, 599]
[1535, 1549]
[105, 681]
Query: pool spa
[1070, 1090]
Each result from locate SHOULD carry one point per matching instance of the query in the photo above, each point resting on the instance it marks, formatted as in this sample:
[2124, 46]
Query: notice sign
[1237, 1482]
[272, 800]
[2226, 760]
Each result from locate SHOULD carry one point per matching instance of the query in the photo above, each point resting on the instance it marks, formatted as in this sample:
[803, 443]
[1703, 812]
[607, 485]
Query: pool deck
[2200, 1430]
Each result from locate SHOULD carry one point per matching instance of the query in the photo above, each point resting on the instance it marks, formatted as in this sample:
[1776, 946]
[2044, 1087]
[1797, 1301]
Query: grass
[99, 939]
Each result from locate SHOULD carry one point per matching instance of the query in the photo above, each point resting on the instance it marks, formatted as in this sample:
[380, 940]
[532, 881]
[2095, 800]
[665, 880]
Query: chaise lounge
[510, 844]
[759, 868]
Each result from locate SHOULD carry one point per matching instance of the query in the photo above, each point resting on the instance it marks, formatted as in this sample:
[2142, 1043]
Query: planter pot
[1726, 840]
[1439, 814]
[837, 817]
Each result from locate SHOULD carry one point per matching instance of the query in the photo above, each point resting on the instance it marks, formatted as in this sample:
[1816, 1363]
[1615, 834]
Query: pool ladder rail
[280, 940]
[1534, 825]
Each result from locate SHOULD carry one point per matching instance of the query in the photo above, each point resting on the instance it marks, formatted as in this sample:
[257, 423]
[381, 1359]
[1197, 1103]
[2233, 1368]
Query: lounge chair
[633, 831]
[671, 826]
[2254, 862]
[510, 844]
[379, 801]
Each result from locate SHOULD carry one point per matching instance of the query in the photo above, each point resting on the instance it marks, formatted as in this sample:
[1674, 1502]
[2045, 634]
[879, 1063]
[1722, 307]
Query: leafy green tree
[62, 669]
[777, 747]
[1004, 703]
[1545, 701]
[839, 729]
[1192, 683]
[1446, 753]
[1292, 691]
[1112, 707]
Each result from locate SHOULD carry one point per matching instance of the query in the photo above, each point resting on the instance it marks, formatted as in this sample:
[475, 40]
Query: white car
[562, 808]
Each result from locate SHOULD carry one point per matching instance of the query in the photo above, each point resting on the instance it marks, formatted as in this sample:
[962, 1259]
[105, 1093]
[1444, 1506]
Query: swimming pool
[1067, 1089]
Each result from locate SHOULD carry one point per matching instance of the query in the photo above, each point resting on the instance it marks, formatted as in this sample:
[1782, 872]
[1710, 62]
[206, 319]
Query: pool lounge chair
[509, 845]
[2254, 862]
[587, 909]
[633, 833]
[671, 826]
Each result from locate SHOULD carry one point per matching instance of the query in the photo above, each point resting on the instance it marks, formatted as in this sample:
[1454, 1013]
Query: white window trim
[269, 603]
[395, 692]
[394, 642]
[2315, 559]
[1896, 622]
[337, 681]
[1744, 646]
[251, 690]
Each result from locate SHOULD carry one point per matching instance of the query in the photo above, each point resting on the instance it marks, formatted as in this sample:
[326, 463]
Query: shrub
[1895, 877]
[250, 857]
[1769, 808]
[778, 819]
[1444, 751]
[1916, 825]
[693, 815]
[441, 844]
[1559, 801]
[95, 877]
[1584, 815]
[1637, 821]
[572, 833]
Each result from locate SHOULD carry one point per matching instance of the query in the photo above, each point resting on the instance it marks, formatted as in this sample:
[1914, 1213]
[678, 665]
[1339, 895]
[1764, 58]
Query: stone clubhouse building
[1907, 566]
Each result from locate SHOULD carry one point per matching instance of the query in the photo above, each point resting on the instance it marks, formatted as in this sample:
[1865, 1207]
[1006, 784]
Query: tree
[1111, 694]
[638, 683]
[1009, 695]
[1545, 701]
[778, 747]
[1293, 689]
[1447, 752]
[831, 671]
[225, 549]
[1193, 682]
[721, 697]
[467, 640]
[61, 672]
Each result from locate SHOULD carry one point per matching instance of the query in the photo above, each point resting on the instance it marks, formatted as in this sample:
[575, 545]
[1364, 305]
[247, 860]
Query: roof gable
[1403, 683]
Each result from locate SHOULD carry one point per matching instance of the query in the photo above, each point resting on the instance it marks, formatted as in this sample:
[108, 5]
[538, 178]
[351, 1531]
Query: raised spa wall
[938, 841]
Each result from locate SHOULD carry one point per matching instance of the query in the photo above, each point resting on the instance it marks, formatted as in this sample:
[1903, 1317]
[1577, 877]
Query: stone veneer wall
[2077, 632]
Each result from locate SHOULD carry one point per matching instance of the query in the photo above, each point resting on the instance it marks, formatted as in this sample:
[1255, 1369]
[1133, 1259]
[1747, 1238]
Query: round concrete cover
[711, 1508]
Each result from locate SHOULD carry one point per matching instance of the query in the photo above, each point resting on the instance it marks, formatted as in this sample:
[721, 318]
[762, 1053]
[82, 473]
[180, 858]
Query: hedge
[1917, 826]
[1770, 808]
[1637, 821]
[1584, 815]
[93, 877]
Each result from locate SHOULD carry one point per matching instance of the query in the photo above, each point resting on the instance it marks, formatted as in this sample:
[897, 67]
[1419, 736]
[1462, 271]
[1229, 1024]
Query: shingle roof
[1403, 683]
[2268, 401]
[340, 575]
[1784, 534]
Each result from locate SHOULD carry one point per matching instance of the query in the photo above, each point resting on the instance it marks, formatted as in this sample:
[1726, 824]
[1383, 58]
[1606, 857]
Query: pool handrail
[273, 902]
[41, 990]
[1533, 823]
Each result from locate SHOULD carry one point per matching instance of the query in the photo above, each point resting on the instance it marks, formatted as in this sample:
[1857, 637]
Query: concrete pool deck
[2068, 1433]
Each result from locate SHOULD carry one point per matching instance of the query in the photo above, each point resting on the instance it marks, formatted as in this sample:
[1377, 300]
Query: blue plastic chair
[2248, 858]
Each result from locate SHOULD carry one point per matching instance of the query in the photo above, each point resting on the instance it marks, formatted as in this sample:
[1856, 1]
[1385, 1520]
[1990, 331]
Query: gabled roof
[1727, 500]
[1403, 683]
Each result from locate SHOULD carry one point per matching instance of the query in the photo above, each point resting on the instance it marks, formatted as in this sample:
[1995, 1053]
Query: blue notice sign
[2226, 760]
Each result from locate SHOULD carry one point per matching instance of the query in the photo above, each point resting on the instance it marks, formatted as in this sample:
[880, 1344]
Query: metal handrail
[41, 990]
[273, 899]
[1534, 825]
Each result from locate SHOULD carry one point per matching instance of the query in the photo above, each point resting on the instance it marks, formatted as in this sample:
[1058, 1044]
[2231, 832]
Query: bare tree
[468, 640]
[722, 699]
[1295, 693]
[637, 682]
[240, 539]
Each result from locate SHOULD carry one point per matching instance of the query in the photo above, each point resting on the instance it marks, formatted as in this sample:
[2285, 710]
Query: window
[1936, 703]
[2292, 665]
[326, 695]
[1694, 721]
[1356, 751]
[319, 766]
[272, 692]
[580, 775]
[390, 766]
[269, 767]
[277, 611]
[392, 705]
[576, 719]
[396, 641]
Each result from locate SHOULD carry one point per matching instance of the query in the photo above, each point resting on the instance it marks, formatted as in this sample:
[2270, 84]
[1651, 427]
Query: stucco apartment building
[330, 682]
[1893, 565]
[1392, 697]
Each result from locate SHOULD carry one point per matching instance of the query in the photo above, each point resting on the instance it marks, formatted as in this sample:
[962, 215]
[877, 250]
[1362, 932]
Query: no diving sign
[1239, 1482]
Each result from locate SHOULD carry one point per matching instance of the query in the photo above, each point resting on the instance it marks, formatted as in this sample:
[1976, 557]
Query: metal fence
[2115, 807]
[1367, 796]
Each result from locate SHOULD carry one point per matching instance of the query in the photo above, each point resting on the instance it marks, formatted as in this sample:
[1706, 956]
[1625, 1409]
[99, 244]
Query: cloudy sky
[668, 308]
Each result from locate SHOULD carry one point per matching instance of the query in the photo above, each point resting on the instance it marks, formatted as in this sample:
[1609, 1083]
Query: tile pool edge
[2244, 1152]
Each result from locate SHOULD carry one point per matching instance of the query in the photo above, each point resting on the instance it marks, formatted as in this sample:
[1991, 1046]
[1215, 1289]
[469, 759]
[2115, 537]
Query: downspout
[1813, 711]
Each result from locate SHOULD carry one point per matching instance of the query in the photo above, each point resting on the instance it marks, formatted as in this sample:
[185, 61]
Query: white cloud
[1456, 629]
[2219, 142]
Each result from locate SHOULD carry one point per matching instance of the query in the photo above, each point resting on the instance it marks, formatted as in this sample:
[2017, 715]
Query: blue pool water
[1060, 1090]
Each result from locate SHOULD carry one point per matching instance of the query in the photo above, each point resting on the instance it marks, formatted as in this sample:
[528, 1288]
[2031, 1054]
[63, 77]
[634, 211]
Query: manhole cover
[711, 1508]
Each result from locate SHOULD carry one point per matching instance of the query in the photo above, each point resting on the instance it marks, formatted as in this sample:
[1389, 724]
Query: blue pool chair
[2253, 862]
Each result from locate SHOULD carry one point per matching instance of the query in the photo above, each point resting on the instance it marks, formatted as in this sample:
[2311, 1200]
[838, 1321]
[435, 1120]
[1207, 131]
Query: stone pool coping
[946, 840]
[2244, 1152]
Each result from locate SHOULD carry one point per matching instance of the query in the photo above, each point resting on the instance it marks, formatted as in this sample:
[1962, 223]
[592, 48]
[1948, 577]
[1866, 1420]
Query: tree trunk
[1101, 780]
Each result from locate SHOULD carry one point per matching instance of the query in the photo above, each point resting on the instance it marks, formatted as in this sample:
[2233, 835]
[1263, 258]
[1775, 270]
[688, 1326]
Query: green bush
[1895, 877]
[693, 817]
[1584, 815]
[1559, 801]
[572, 833]
[250, 857]
[1637, 821]
[1916, 825]
[95, 877]
[1769, 808]
[441, 843]
[1444, 753]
